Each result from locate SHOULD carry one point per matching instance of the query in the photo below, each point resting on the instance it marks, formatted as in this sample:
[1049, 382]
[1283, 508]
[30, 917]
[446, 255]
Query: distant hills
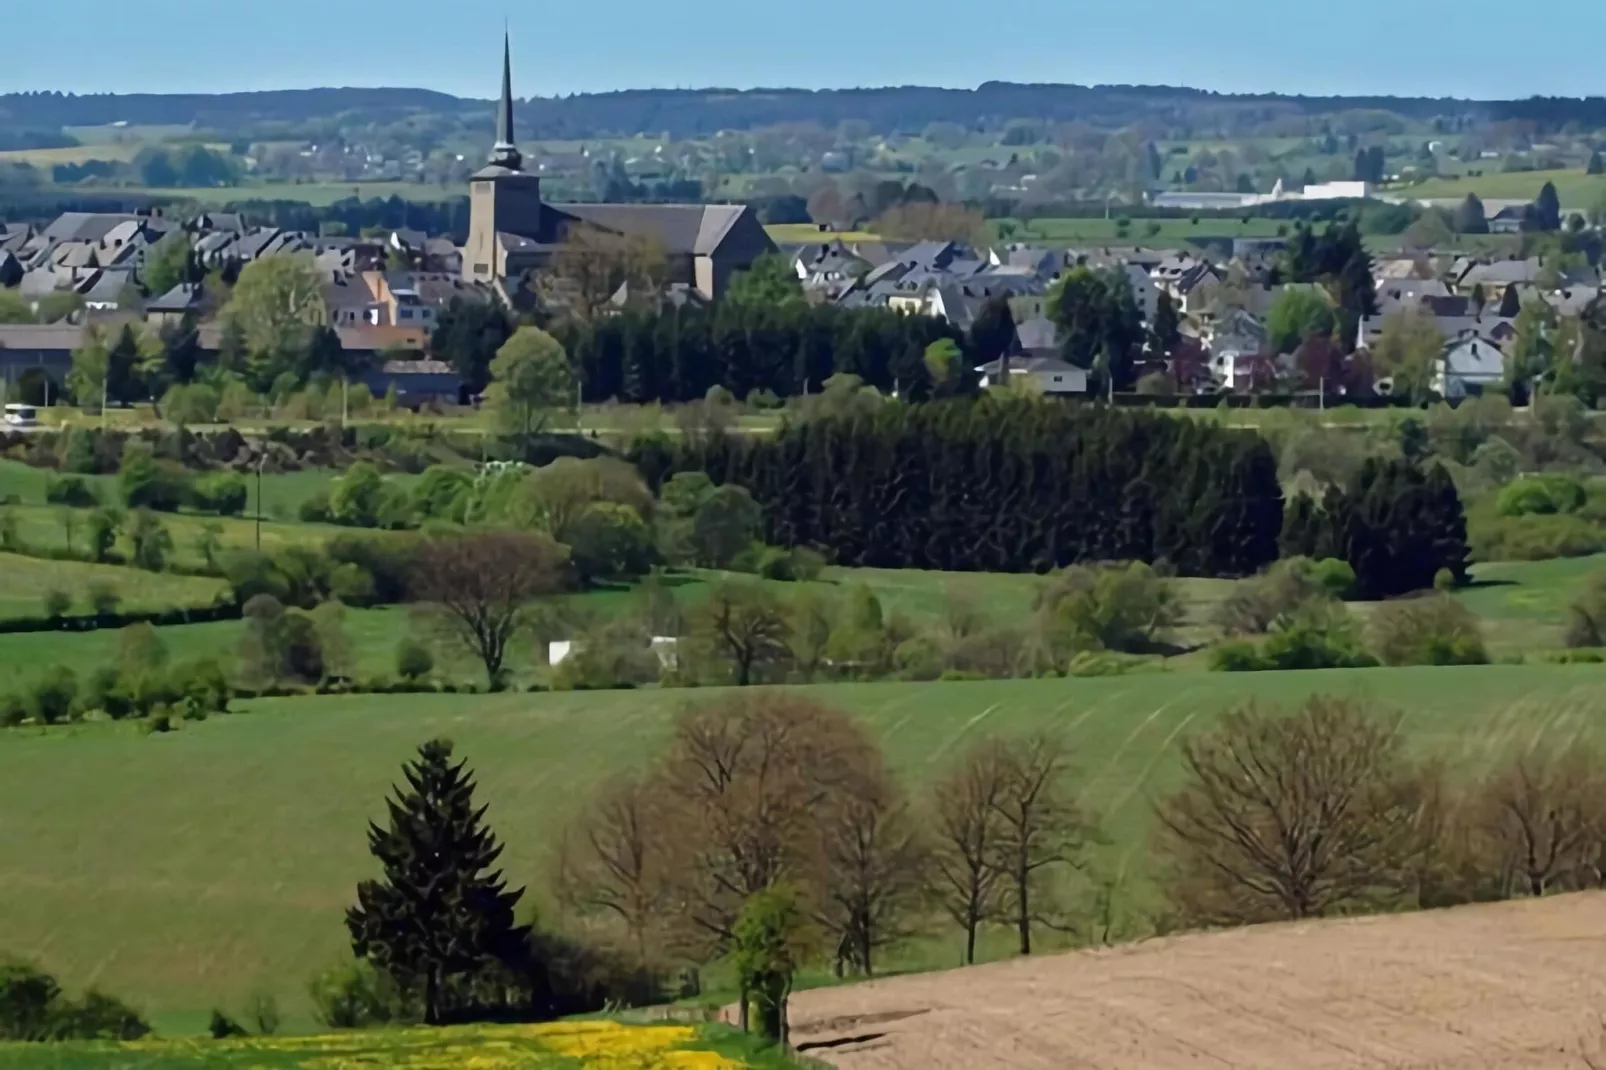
[699, 112]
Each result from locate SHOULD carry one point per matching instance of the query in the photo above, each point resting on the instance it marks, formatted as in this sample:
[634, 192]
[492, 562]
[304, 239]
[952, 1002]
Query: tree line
[1001, 485]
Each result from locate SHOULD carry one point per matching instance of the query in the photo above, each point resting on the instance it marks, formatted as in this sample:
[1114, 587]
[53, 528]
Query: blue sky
[1419, 47]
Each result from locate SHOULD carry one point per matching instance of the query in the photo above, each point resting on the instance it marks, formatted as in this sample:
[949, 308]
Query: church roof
[505, 154]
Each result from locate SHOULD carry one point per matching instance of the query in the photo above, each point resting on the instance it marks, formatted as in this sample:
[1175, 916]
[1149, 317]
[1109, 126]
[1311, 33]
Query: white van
[22, 417]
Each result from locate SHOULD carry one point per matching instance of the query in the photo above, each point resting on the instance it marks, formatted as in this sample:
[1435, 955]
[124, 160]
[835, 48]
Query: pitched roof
[680, 229]
[50, 337]
[184, 297]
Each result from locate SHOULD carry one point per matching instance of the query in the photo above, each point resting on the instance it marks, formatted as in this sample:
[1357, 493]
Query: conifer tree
[442, 917]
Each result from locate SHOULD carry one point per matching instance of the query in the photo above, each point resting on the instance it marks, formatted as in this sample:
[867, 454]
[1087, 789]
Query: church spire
[505, 153]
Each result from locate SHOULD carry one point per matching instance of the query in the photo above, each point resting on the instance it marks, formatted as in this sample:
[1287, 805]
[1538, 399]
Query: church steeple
[505, 153]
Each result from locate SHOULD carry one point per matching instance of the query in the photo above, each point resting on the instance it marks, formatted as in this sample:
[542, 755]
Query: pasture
[1578, 191]
[24, 581]
[185, 899]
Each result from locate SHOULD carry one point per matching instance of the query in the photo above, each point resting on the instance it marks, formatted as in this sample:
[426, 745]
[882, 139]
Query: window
[1059, 378]
[482, 187]
[482, 269]
[405, 314]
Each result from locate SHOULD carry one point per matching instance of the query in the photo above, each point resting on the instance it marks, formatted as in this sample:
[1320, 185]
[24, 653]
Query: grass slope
[1578, 191]
[189, 870]
[24, 581]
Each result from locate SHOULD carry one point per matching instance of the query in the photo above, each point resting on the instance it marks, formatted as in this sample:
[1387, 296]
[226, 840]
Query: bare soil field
[1508, 986]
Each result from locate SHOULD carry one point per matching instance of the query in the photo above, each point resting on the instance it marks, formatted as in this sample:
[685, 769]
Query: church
[513, 231]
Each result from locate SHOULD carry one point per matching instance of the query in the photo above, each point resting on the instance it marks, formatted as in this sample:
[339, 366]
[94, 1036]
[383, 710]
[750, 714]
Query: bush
[187, 404]
[610, 541]
[442, 493]
[34, 1008]
[352, 585]
[146, 483]
[1541, 495]
[1124, 608]
[355, 995]
[387, 558]
[1586, 617]
[103, 526]
[13, 710]
[315, 510]
[222, 1027]
[201, 685]
[1256, 605]
[1434, 629]
[150, 540]
[263, 1011]
[223, 493]
[56, 603]
[1321, 635]
[807, 563]
[51, 699]
[414, 660]
[1535, 537]
[104, 598]
[73, 491]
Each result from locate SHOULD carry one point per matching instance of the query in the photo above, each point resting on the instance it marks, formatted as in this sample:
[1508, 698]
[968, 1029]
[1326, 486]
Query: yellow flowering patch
[552, 1046]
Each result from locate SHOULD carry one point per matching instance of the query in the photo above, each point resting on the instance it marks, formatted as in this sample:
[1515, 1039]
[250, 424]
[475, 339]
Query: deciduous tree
[530, 378]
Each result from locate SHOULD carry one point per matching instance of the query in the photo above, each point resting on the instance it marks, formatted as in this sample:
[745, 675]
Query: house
[417, 298]
[185, 299]
[512, 231]
[1508, 220]
[1470, 363]
[1051, 375]
[416, 383]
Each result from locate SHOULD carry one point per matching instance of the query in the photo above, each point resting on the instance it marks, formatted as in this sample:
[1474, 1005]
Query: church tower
[503, 199]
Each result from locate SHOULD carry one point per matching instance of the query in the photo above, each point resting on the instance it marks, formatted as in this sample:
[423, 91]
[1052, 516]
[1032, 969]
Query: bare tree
[1540, 821]
[613, 863]
[1039, 832]
[876, 868]
[1285, 817]
[967, 831]
[482, 587]
[743, 625]
[593, 263]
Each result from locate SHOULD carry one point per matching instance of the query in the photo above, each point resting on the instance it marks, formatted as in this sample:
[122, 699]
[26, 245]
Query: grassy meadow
[1578, 191]
[24, 581]
[187, 899]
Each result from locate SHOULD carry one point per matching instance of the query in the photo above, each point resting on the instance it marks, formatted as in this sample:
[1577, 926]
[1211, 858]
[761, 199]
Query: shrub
[1586, 617]
[1256, 605]
[73, 491]
[1434, 629]
[56, 603]
[51, 699]
[610, 541]
[222, 1027]
[358, 497]
[355, 995]
[104, 598]
[1321, 635]
[147, 483]
[352, 585]
[1535, 538]
[316, 509]
[34, 1008]
[442, 493]
[223, 493]
[201, 684]
[1541, 495]
[103, 526]
[1124, 608]
[263, 1011]
[188, 404]
[807, 563]
[13, 710]
[150, 540]
[414, 660]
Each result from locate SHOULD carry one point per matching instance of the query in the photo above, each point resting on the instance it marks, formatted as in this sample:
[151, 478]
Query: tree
[276, 303]
[1539, 820]
[876, 868]
[1289, 817]
[1165, 333]
[926, 221]
[482, 586]
[992, 333]
[1595, 165]
[769, 283]
[613, 862]
[1297, 314]
[442, 916]
[468, 334]
[591, 265]
[1039, 830]
[769, 943]
[13, 308]
[1408, 351]
[742, 625]
[167, 263]
[1470, 217]
[1100, 321]
[1546, 213]
[942, 361]
[724, 525]
[967, 833]
[529, 378]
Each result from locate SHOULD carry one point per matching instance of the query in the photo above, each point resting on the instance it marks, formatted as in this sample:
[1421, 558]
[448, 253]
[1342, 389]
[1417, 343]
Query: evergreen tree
[1510, 302]
[1596, 166]
[441, 920]
[467, 336]
[1470, 217]
[231, 348]
[1547, 209]
[1166, 331]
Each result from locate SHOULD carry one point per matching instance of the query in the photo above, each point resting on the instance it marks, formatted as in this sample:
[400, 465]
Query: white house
[1470, 360]
[1048, 374]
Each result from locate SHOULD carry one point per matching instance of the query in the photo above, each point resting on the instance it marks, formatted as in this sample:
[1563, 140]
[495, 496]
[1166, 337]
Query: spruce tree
[1510, 303]
[1547, 208]
[1166, 331]
[1596, 166]
[442, 918]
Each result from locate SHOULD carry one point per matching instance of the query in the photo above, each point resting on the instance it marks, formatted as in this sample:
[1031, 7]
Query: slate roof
[681, 229]
[185, 297]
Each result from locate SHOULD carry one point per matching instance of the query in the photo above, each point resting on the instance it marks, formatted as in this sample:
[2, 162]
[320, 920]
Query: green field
[1577, 190]
[25, 580]
[316, 194]
[1168, 232]
[182, 899]
[282, 492]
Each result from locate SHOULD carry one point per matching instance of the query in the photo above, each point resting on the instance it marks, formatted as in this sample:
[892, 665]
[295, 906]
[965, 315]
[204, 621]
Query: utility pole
[262, 460]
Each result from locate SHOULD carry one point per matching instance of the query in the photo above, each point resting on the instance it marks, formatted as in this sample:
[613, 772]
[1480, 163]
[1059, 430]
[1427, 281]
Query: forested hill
[691, 113]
